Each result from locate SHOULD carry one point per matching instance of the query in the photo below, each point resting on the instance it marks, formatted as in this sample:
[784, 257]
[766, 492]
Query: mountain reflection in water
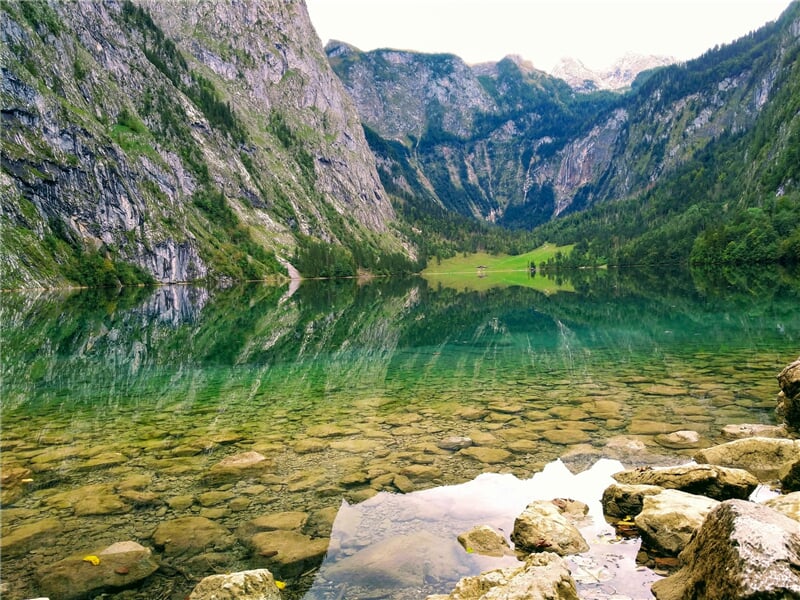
[117, 404]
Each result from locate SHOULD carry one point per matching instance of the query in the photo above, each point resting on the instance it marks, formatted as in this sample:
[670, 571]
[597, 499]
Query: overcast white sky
[597, 32]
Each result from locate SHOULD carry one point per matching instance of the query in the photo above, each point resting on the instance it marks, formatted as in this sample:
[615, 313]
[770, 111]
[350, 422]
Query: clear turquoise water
[340, 383]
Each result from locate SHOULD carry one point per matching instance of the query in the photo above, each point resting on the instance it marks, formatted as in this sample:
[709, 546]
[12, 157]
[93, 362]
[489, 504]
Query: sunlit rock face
[742, 550]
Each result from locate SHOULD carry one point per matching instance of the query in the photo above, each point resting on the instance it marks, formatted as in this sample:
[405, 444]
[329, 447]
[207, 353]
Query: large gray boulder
[789, 396]
[543, 526]
[763, 457]
[669, 519]
[544, 576]
[85, 575]
[743, 551]
[257, 584]
[720, 483]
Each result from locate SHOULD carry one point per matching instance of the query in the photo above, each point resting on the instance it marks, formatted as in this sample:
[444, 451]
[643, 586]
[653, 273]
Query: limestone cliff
[507, 143]
[180, 140]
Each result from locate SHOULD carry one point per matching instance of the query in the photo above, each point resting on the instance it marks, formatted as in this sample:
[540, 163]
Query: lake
[118, 404]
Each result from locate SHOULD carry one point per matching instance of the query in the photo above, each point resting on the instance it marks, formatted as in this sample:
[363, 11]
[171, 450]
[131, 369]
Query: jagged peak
[619, 75]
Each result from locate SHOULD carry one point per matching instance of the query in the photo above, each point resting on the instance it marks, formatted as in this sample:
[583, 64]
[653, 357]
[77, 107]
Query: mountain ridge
[175, 142]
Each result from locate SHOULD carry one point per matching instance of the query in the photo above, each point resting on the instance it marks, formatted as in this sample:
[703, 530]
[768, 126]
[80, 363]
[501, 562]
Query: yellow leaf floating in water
[91, 558]
[280, 584]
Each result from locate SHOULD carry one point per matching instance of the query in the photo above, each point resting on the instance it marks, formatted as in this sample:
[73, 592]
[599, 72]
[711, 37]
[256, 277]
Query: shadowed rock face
[743, 550]
[157, 101]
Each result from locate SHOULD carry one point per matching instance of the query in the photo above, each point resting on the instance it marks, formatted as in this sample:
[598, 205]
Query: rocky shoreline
[693, 520]
[696, 520]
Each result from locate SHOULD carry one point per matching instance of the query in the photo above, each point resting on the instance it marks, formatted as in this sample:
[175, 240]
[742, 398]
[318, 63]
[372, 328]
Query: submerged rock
[257, 584]
[455, 443]
[543, 527]
[485, 541]
[188, 536]
[743, 550]
[720, 483]
[668, 520]
[544, 576]
[678, 440]
[400, 561]
[13, 483]
[26, 537]
[745, 430]
[287, 553]
[118, 566]
[236, 467]
[489, 456]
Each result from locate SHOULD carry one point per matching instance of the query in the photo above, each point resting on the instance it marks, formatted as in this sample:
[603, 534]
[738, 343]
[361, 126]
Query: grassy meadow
[481, 271]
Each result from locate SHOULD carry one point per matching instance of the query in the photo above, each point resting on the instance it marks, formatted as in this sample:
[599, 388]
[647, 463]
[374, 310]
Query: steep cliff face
[529, 148]
[189, 140]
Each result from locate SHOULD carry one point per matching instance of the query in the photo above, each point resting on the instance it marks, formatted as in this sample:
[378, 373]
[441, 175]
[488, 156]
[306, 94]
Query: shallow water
[118, 404]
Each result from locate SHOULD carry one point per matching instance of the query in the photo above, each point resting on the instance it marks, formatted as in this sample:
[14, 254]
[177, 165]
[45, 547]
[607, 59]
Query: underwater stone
[118, 566]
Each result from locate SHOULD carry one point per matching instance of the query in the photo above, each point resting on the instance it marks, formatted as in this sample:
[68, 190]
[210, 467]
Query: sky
[597, 32]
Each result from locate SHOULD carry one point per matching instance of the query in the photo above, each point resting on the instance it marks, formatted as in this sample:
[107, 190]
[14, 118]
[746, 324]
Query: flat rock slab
[763, 457]
[26, 537]
[488, 456]
[288, 553]
[237, 467]
[400, 561]
[189, 536]
[669, 519]
[746, 430]
[720, 483]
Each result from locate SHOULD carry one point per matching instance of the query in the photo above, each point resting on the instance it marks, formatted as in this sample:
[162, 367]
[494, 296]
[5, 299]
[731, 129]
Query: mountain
[176, 141]
[508, 144]
[618, 76]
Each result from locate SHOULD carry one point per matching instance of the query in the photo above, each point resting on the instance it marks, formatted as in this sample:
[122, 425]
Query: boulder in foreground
[543, 526]
[742, 551]
[116, 567]
[544, 576]
[257, 584]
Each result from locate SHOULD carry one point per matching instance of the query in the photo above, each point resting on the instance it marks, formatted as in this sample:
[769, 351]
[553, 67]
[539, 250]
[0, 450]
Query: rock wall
[118, 115]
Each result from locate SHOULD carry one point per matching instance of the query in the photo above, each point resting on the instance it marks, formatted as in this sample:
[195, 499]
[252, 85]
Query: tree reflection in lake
[347, 390]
